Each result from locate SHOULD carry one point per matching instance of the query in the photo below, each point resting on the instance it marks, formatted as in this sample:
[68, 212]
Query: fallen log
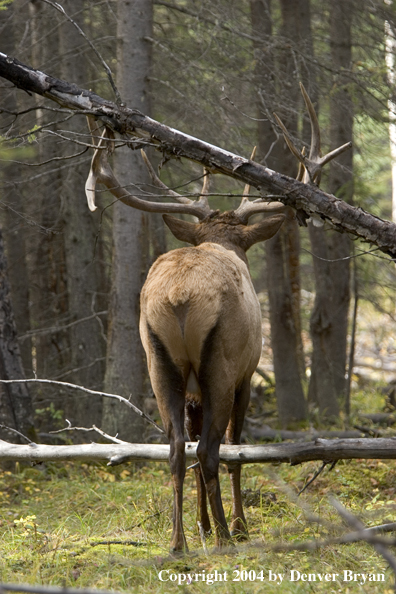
[291, 453]
[265, 433]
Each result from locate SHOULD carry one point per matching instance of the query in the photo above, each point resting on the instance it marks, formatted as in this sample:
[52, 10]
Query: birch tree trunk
[390, 44]
[125, 366]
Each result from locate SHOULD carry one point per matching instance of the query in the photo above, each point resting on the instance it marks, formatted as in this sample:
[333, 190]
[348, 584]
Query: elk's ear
[182, 230]
[263, 230]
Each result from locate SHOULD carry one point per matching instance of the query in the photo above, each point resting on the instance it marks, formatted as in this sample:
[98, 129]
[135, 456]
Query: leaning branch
[87, 391]
[131, 122]
[292, 453]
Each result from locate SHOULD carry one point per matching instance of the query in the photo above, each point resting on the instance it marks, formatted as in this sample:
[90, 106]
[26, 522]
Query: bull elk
[200, 326]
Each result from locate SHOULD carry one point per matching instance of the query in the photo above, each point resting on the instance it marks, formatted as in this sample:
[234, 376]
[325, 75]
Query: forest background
[216, 70]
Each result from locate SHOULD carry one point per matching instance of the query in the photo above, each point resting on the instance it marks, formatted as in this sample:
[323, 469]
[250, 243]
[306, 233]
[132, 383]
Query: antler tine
[246, 190]
[301, 167]
[101, 172]
[247, 209]
[314, 163]
[99, 164]
[157, 182]
[203, 199]
[315, 150]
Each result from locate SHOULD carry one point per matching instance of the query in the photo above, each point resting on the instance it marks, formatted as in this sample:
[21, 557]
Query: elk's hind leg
[194, 429]
[169, 388]
[233, 437]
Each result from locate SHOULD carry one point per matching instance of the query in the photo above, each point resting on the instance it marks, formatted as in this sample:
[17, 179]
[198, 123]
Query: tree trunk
[16, 408]
[283, 250]
[48, 271]
[79, 230]
[329, 320]
[47, 267]
[14, 220]
[126, 368]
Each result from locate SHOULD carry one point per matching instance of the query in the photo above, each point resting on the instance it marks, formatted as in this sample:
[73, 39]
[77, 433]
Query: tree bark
[14, 205]
[79, 231]
[47, 268]
[329, 320]
[126, 369]
[16, 406]
[282, 251]
[289, 453]
[313, 201]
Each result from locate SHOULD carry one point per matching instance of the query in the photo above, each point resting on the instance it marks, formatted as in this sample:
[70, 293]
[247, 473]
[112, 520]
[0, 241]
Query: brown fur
[201, 330]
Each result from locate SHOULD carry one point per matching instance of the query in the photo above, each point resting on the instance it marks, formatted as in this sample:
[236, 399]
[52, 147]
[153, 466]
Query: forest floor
[86, 525]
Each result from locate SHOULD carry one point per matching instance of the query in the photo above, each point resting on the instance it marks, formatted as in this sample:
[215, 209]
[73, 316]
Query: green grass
[51, 517]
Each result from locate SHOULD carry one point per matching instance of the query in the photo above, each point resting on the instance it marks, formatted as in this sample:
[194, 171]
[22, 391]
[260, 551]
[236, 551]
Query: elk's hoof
[239, 530]
[176, 552]
[240, 535]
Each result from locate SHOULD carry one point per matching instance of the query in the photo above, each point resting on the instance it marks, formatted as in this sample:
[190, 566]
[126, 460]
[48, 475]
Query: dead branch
[124, 121]
[265, 433]
[380, 547]
[291, 453]
[87, 391]
[87, 430]
[49, 589]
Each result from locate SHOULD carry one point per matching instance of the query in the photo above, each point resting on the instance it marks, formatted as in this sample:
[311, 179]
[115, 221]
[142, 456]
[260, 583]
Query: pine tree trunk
[16, 409]
[283, 250]
[125, 367]
[14, 223]
[82, 259]
[329, 320]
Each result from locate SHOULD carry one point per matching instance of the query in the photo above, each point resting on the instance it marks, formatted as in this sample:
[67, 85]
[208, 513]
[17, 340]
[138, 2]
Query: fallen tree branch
[49, 589]
[265, 433]
[292, 453]
[87, 391]
[381, 546]
[88, 430]
[124, 121]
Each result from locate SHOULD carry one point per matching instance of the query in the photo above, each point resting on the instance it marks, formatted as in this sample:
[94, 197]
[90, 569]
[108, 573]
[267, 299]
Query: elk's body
[201, 325]
[201, 330]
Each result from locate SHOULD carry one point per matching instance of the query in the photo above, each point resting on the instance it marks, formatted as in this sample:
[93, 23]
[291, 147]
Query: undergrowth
[60, 525]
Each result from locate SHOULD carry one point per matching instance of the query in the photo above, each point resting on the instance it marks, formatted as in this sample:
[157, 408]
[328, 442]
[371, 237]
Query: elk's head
[231, 229]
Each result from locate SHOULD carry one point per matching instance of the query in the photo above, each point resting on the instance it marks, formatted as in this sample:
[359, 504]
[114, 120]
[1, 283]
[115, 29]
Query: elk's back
[192, 294]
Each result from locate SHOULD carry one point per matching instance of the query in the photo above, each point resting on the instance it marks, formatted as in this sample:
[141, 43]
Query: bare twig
[380, 546]
[42, 331]
[60, 8]
[351, 358]
[16, 433]
[133, 543]
[64, 158]
[49, 589]
[317, 473]
[87, 391]
[88, 429]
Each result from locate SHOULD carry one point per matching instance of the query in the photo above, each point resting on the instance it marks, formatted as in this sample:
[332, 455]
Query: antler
[311, 166]
[101, 172]
[247, 209]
